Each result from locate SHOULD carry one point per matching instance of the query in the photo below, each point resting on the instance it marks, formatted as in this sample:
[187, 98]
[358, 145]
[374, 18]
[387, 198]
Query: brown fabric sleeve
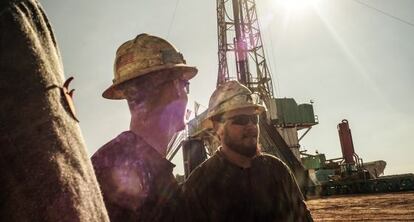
[300, 212]
[45, 171]
[193, 191]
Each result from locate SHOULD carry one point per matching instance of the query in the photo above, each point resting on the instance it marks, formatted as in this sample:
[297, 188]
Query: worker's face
[173, 99]
[239, 131]
[160, 100]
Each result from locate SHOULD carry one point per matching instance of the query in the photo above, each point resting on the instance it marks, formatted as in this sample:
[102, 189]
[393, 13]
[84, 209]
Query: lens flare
[296, 6]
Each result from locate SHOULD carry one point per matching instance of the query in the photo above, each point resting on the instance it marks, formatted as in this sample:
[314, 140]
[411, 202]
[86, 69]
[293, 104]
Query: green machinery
[349, 174]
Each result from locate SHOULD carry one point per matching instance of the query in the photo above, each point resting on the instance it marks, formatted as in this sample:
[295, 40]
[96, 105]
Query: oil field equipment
[239, 40]
[349, 174]
[241, 57]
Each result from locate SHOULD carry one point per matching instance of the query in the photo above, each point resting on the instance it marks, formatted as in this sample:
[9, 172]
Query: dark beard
[247, 151]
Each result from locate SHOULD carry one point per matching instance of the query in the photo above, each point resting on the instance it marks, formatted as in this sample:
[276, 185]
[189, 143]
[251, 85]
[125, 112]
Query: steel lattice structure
[239, 37]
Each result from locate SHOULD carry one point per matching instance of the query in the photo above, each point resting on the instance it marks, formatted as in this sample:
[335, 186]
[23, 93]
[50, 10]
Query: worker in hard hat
[135, 177]
[239, 182]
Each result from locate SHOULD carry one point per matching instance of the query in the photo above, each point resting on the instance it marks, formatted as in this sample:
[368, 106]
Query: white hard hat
[229, 96]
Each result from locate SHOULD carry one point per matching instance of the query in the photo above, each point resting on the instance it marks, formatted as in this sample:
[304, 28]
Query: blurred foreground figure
[45, 173]
[239, 183]
[135, 177]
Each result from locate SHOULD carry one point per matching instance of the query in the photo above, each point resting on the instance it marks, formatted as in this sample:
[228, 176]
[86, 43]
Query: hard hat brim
[113, 92]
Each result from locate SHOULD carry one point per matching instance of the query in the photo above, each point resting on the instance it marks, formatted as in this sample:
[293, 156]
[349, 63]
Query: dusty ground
[366, 207]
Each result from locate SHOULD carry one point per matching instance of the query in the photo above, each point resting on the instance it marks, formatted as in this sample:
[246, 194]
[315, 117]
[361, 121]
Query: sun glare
[296, 6]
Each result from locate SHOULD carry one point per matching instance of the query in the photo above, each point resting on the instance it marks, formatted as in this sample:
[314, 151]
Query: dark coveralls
[136, 181]
[218, 190]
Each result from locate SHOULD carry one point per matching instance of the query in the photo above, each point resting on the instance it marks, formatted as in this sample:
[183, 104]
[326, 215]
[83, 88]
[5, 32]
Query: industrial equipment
[349, 174]
[239, 39]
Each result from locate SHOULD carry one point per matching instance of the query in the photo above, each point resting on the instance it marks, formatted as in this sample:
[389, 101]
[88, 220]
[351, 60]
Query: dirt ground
[365, 207]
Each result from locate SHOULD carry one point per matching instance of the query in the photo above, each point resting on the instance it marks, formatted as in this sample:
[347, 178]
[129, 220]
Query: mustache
[250, 134]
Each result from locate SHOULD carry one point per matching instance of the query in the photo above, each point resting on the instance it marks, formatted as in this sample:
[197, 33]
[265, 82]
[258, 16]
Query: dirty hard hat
[229, 96]
[144, 55]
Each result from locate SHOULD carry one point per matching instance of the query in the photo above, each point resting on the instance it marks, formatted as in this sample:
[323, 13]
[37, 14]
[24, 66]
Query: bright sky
[354, 62]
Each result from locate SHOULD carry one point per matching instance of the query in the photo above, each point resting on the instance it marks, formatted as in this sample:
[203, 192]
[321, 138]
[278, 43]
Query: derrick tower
[239, 39]
[241, 57]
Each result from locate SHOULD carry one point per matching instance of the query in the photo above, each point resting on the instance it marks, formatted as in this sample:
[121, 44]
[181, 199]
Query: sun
[296, 6]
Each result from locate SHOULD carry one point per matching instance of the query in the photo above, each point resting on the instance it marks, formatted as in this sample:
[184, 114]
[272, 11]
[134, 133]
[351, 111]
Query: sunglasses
[186, 85]
[243, 120]
[180, 84]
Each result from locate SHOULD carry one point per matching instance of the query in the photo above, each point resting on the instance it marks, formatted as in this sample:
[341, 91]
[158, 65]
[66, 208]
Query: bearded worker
[239, 183]
[135, 177]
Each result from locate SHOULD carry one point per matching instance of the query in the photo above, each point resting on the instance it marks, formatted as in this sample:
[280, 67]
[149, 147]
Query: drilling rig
[241, 56]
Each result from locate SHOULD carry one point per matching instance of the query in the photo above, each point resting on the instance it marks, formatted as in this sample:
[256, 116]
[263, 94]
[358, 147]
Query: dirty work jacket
[220, 191]
[136, 181]
[45, 171]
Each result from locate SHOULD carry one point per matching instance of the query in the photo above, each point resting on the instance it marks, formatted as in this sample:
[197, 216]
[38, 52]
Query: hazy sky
[354, 62]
